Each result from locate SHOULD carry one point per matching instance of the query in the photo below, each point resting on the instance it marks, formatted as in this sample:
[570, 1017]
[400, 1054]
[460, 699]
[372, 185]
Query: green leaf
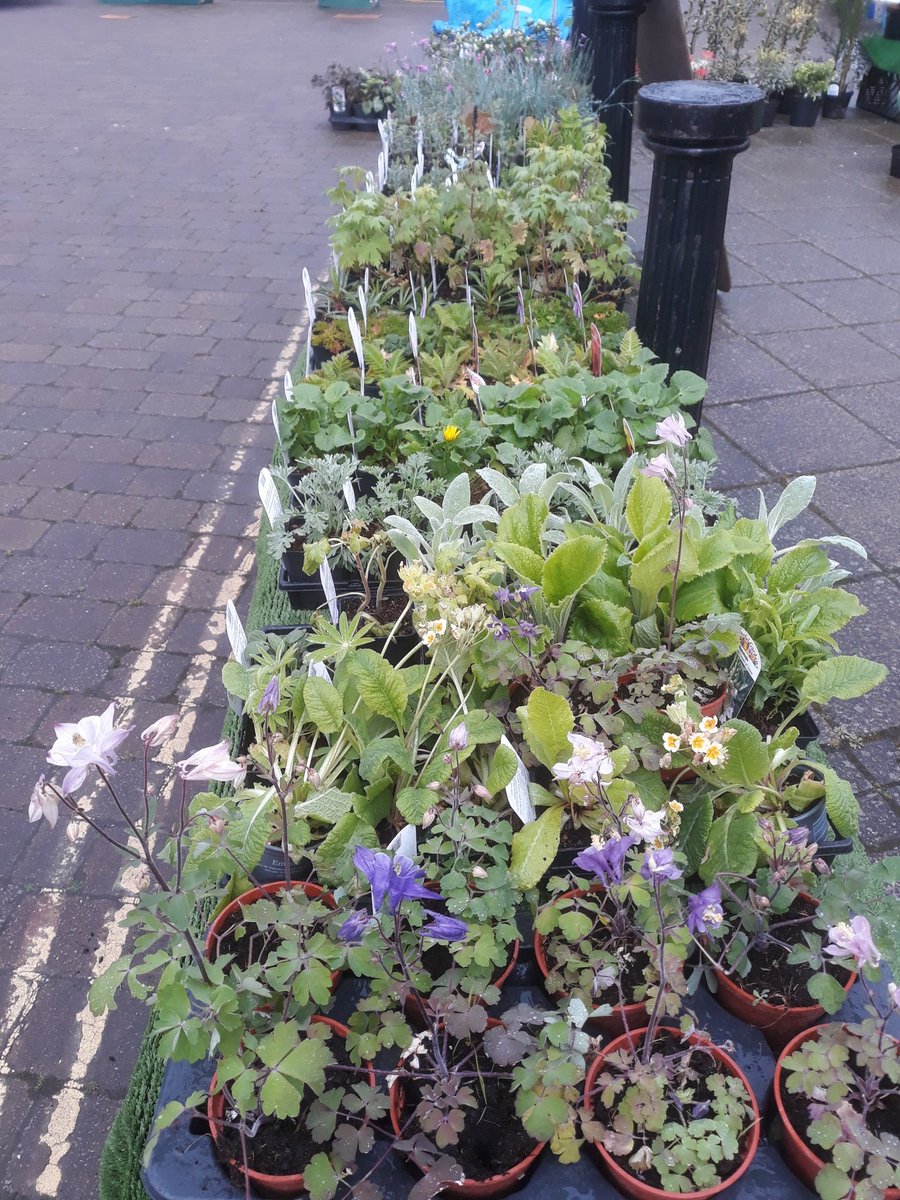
[841, 804]
[843, 677]
[377, 751]
[236, 680]
[603, 624]
[649, 506]
[732, 845]
[826, 990]
[328, 806]
[570, 566]
[748, 757]
[798, 565]
[320, 1178]
[832, 1184]
[294, 1066]
[334, 852]
[324, 704]
[414, 802]
[546, 722]
[503, 769]
[652, 571]
[380, 685]
[523, 561]
[103, 990]
[534, 847]
[693, 833]
[523, 523]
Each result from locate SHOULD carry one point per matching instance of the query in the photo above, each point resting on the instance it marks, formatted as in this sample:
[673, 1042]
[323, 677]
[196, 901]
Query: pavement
[164, 171]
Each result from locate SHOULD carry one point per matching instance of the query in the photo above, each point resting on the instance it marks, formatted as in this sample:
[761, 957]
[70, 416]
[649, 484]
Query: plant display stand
[183, 1165]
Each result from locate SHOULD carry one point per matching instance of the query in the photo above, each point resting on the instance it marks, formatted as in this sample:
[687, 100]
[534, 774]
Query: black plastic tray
[184, 1167]
[345, 121]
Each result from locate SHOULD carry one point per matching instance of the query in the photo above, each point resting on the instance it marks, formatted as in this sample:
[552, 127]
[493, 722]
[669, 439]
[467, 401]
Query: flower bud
[481, 791]
[459, 738]
[160, 731]
[216, 824]
[479, 873]
[434, 786]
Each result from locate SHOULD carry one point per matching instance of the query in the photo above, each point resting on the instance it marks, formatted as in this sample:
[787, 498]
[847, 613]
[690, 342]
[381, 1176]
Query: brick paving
[164, 181]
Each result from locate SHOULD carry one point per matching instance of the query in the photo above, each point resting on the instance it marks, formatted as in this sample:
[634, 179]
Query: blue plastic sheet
[503, 14]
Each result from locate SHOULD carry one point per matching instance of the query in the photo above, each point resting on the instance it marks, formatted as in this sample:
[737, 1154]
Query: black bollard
[612, 30]
[694, 129]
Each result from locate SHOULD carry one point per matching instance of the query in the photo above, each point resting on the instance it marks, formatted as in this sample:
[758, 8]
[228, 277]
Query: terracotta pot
[415, 1012]
[477, 1189]
[631, 1185]
[778, 1023]
[268, 1185]
[802, 1160]
[230, 915]
[624, 1016]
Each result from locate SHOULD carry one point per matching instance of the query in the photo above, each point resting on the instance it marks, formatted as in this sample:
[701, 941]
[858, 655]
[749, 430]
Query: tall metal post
[694, 130]
[612, 28]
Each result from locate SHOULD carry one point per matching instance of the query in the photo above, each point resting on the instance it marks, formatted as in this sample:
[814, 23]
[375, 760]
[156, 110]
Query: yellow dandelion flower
[715, 755]
[708, 724]
[700, 743]
[672, 742]
[451, 433]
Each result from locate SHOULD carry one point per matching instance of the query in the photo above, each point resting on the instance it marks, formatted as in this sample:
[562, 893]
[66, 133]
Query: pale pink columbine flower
[92, 741]
[853, 940]
[43, 803]
[160, 731]
[459, 738]
[659, 468]
[643, 823]
[589, 762]
[212, 763]
[673, 431]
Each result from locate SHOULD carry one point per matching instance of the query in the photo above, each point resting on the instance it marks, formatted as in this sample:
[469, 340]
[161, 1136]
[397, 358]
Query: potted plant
[598, 943]
[767, 956]
[458, 1111]
[845, 49]
[667, 1110]
[772, 74]
[811, 78]
[836, 1089]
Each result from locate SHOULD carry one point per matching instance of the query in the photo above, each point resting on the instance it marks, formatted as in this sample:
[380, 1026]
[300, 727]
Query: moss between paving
[120, 1164]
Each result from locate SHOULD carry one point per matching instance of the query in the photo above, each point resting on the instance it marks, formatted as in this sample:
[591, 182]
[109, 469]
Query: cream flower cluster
[704, 739]
[464, 623]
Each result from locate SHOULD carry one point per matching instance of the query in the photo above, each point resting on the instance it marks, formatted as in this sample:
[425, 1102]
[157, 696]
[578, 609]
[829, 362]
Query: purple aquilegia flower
[605, 862]
[502, 596]
[659, 864]
[397, 879]
[442, 928]
[271, 697]
[704, 910]
[673, 431]
[699, 1111]
[528, 630]
[354, 928]
[853, 940]
[523, 593]
[498, 629]
[659, 468]
[92, 741]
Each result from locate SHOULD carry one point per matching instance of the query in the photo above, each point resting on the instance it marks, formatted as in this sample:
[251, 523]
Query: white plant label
[370, 182]
[237, 636]
[517, 789]
[288, 388]
[310, 317]
[385, 139]
[338, 99]
[268, 494]
[349, 497]
[319, 671]
[382, 171]
[363, 307]
[276, 423]
[328, 588]
[405, 842]
[353, 324]
[414, 336]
